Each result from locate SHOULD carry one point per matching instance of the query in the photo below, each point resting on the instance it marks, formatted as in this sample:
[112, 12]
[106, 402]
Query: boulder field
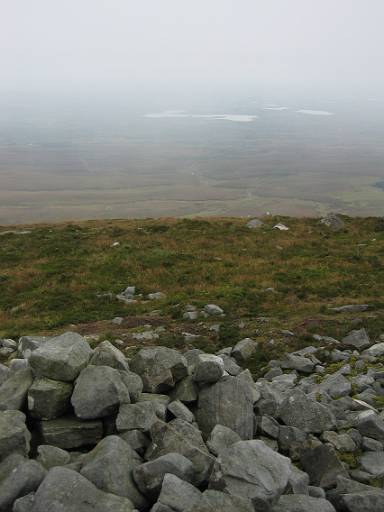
[86, 429]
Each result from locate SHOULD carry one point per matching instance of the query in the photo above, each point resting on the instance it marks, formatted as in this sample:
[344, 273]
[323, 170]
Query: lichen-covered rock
[61, 358]
[322, 465]
[69, 432]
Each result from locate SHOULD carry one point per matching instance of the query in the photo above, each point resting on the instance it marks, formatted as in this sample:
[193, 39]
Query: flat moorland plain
[65, 276]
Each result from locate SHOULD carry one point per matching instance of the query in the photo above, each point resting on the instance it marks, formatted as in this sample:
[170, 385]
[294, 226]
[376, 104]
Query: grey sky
[55, 43]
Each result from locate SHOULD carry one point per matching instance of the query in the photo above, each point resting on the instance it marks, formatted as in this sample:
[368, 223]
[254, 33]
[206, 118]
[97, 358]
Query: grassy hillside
[53, 277]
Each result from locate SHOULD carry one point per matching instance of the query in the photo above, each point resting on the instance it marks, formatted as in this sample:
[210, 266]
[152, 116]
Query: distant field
[127, 165]
[51, 278]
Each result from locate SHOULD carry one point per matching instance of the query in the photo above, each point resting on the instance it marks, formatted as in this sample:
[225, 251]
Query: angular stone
[66, 490]
[230, 365]
[243, 350]
[213, 310]
[186, 391]
[371, 425]
[291, 440]
[178, 494]
[110, 467]
[322, 465]
[221, 438]
[27, 344]
[229, 402]
[18, 477]
[149, 476]
[51, 456]
[342, 442]
[49, 399]
[299, 363]
[336, 386]
[208, 369]
[136, 440]
[160, 368]
[140, 416]
[25, 503]
[4, 373]
[69, 432]
[14, 435]
[269, 427]
[179, 410]
[181, 437]
[214, 501]
[297, 410]
[106, 354]
[301, 503]
[358, 339]
[133, 383]
[365, 501]
[98, 392]
[250, 469]
[13, 392]
[61, 358]
[373, 463]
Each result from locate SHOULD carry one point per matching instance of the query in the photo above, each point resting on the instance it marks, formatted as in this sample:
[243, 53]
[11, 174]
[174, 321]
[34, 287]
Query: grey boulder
[160, 368]
[14, 435]
[51, 456]
[13, 392]
[98, 392]
[250, 469]
[66, 490]
[70, 432]
[221, 438]
[302, 503]
[178, 494]
[18, 477]
[110, 465]
[62, 357]
[208, 369]
[181, 437]
[48, 399]
[214, 501]
[243, 350]
[140, 416]
[357, 339]
[298, 410]
[106, 354]
[229, 402]
[149, 476]
[322, 465]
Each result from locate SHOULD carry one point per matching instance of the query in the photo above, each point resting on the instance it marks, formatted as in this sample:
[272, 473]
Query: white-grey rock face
[61, 358]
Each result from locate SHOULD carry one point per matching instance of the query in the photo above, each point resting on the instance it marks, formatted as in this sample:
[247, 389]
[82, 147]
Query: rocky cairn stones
[86, 430]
